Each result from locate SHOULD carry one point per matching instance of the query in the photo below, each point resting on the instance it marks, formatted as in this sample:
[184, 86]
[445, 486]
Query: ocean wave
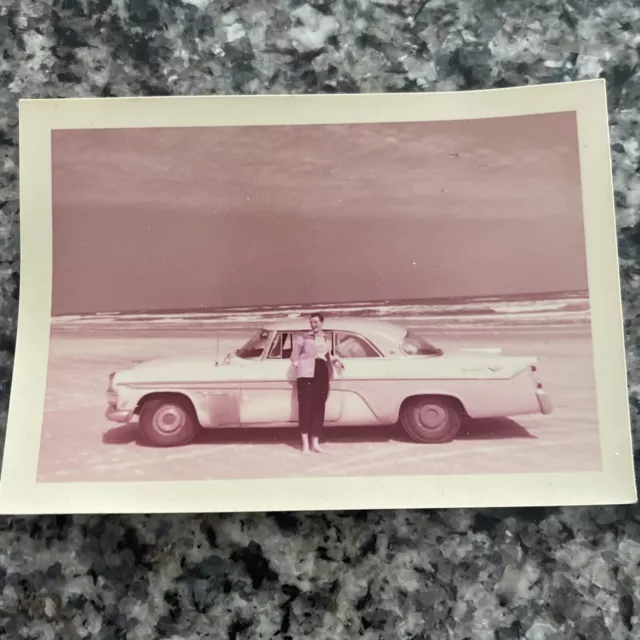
[233, 329]
[476, 312]
[437, 322]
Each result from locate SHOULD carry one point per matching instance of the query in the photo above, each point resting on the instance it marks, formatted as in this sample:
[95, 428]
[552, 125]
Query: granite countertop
[496, 574]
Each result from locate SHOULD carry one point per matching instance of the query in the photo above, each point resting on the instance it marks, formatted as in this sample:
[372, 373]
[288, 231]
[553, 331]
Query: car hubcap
[432, 416]
[168, 420]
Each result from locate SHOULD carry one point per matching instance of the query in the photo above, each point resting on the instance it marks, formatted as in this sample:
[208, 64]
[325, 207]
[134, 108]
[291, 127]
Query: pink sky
[181, 218]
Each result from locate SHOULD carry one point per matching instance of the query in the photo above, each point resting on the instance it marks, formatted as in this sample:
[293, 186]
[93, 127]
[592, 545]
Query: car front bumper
[113, 414]
[544, 402]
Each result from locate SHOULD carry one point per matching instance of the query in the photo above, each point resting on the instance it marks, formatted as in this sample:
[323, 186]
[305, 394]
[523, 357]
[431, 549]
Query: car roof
[376, 330]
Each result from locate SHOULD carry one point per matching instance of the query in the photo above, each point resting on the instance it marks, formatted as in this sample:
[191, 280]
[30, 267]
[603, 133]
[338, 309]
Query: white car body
[259, 389]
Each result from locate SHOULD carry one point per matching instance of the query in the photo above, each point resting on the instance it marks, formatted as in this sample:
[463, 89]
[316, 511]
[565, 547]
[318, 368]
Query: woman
[314, 363]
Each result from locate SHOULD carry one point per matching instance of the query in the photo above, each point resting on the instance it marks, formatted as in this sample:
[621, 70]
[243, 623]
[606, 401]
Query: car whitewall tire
[168, 422]
[431, 419]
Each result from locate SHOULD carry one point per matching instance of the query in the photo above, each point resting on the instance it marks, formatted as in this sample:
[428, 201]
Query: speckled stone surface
[534, 574]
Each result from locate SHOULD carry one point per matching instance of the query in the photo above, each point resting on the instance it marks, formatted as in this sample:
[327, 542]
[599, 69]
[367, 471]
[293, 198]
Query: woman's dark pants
[312, 400]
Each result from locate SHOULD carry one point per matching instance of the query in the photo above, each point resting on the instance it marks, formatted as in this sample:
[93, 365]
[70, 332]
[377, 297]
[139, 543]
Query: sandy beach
[79, 444]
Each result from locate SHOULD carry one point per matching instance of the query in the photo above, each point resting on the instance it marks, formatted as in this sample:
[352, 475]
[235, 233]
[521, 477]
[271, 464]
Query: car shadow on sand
[291, 436]
[286, 436]
[490, 429]
[122, 434]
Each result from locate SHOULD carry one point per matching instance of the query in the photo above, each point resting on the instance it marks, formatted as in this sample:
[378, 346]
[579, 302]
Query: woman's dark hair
[318, 315]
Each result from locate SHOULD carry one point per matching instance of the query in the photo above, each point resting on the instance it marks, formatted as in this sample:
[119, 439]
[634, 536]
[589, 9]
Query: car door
[360, 386]
[269, 391]
[268, 386]
[333, 410]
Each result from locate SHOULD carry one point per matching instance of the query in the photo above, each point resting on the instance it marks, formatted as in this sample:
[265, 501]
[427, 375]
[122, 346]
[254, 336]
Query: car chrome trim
[544, 402]
[333, 333]
[167, 386]
[115, 415]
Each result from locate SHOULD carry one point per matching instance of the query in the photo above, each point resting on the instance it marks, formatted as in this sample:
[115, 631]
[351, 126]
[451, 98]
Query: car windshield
[255, 347]
[414, 345]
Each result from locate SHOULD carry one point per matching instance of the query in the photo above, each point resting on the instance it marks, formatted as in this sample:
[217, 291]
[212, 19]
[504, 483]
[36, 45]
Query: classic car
[388, 375]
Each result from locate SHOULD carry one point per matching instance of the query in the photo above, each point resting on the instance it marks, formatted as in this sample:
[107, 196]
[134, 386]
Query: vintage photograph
[362, 299]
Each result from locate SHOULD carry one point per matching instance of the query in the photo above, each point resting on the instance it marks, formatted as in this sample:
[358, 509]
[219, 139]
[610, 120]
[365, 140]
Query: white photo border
[20, 493]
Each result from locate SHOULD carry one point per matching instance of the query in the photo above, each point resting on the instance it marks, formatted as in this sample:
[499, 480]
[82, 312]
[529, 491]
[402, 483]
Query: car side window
[281, 348]
[349, 345]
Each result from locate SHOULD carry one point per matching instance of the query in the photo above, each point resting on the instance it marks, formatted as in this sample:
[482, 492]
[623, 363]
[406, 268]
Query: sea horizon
[447, 301]
[560, 310]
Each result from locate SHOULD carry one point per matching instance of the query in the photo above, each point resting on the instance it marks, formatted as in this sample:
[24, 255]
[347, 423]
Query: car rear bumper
[114, 415]
[544, 402]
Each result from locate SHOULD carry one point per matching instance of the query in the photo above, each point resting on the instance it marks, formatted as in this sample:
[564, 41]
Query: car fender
[134, 400]
[432, 392]
[384, 399]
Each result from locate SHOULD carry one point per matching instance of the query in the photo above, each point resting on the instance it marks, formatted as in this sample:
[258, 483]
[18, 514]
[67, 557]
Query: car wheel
[168, 422]
[431, 419]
